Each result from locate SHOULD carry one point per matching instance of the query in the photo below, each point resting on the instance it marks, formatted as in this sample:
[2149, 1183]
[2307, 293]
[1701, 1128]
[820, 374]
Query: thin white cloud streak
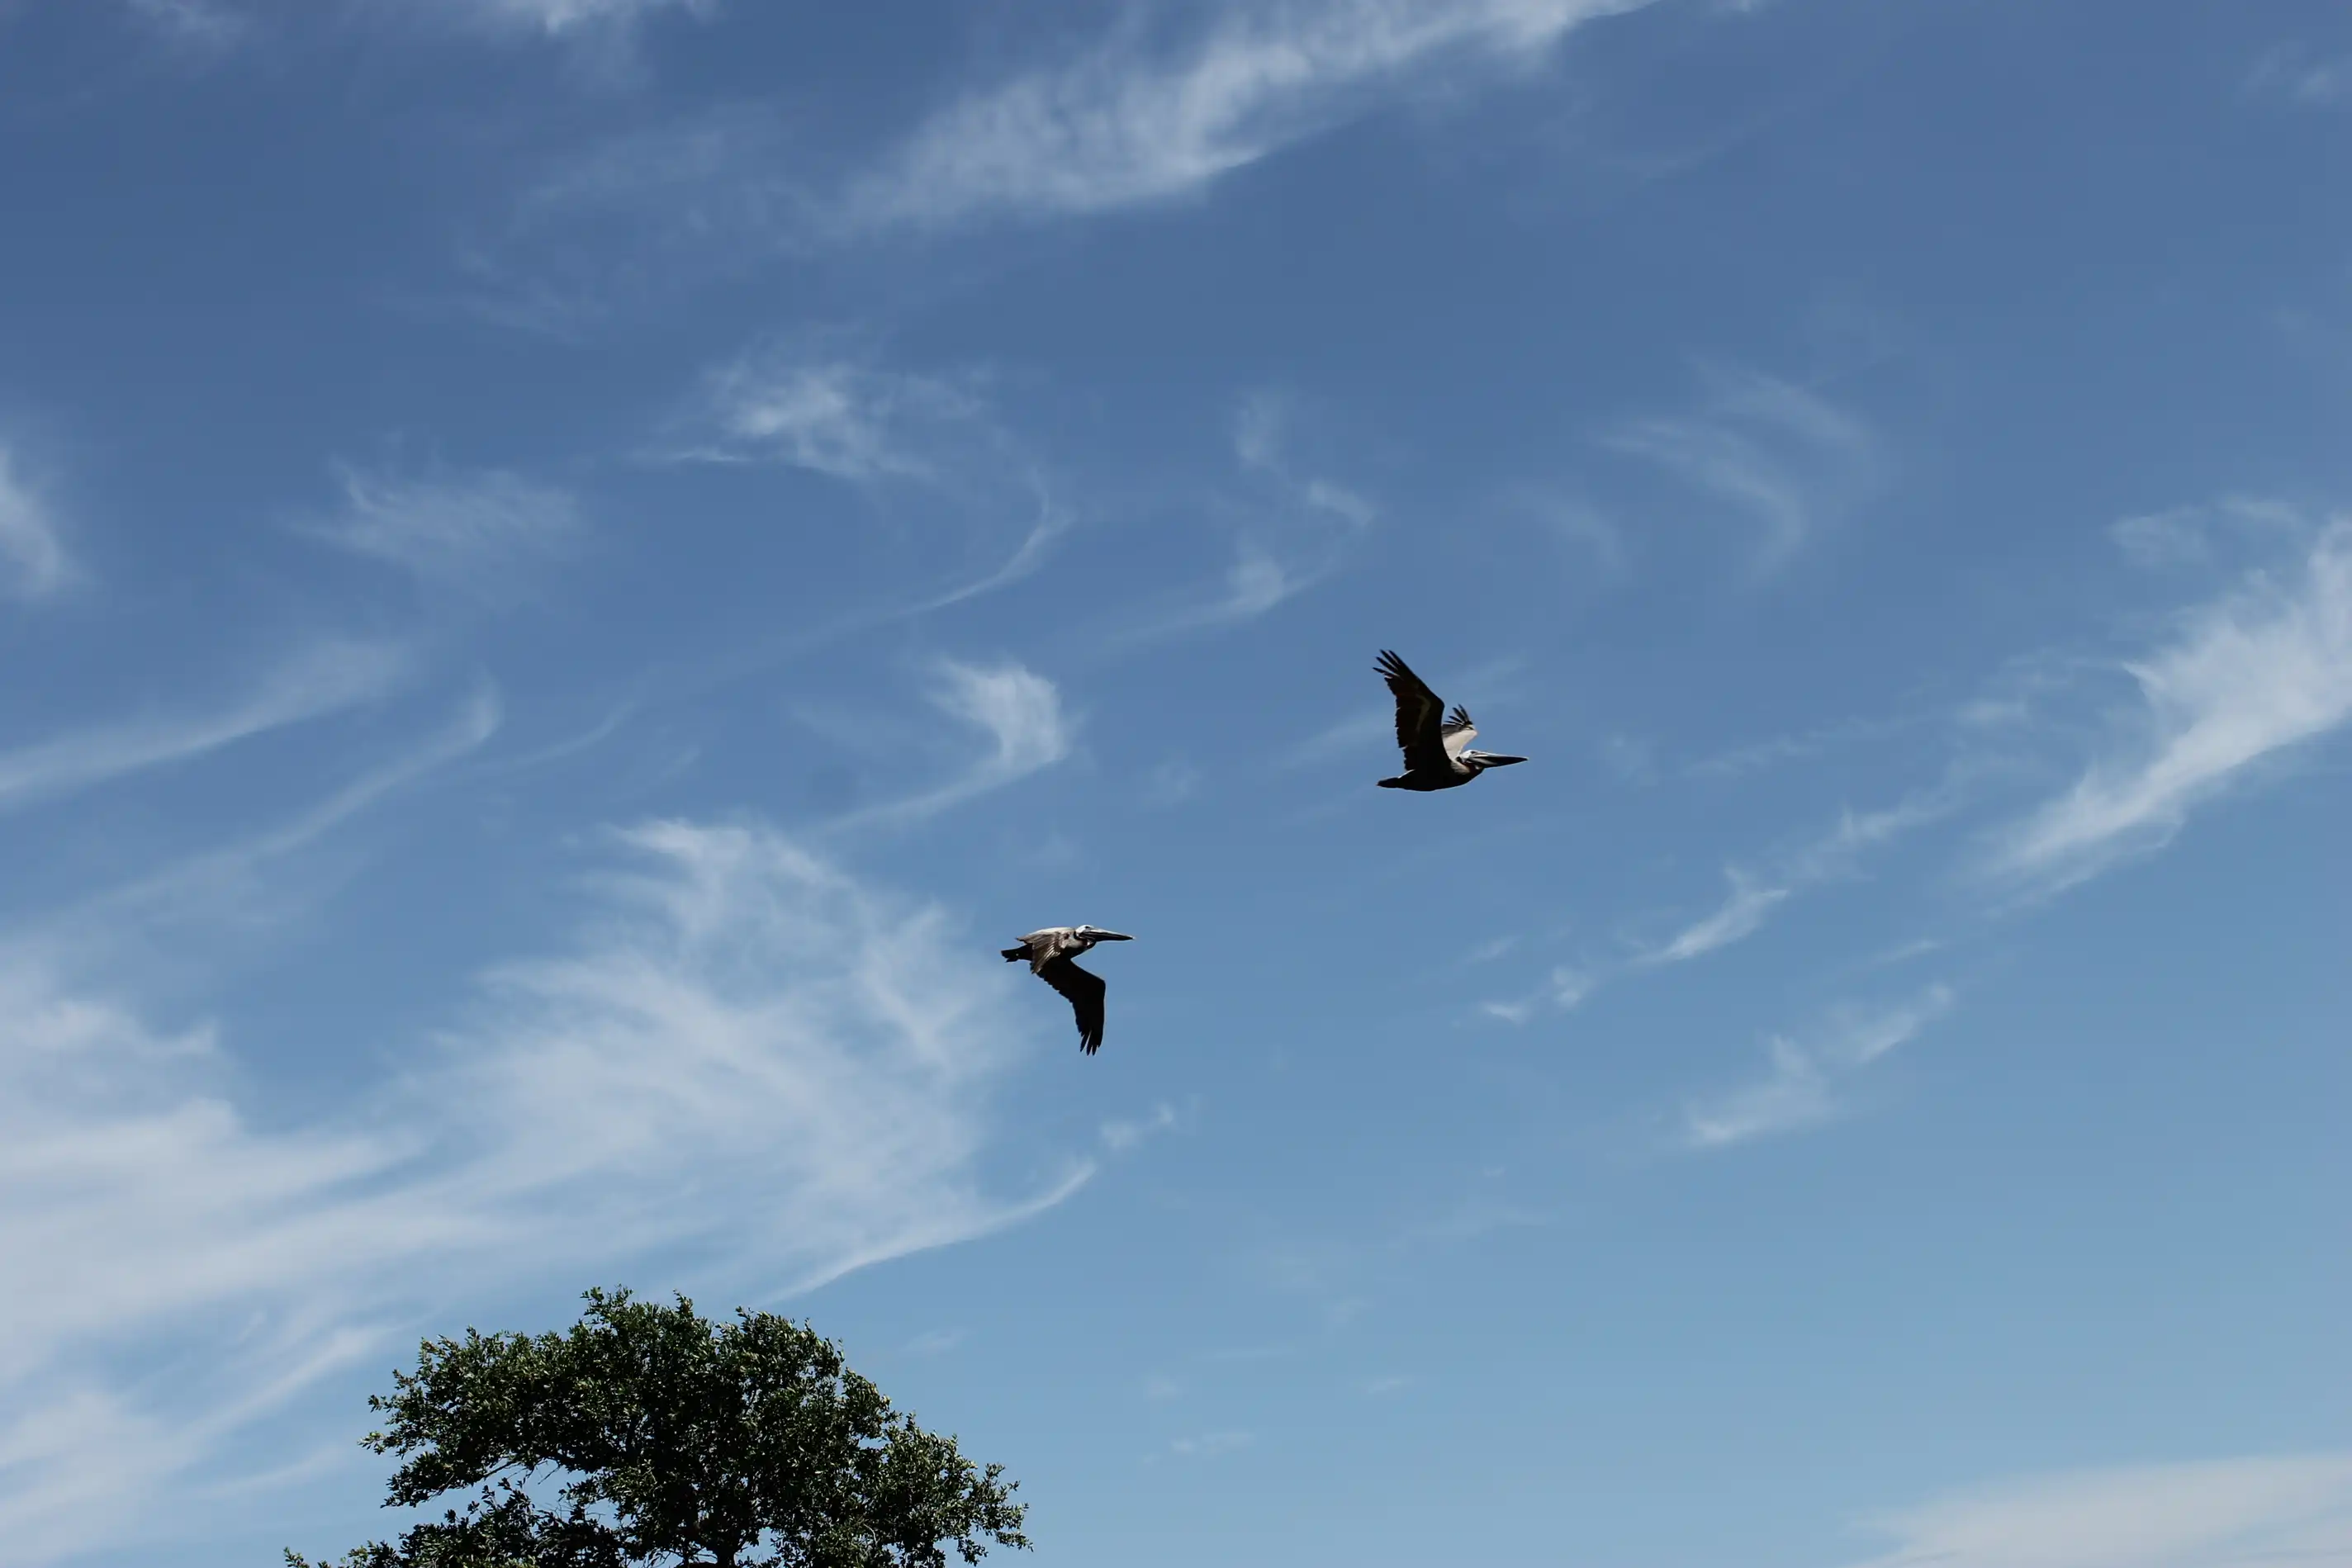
[2265, 668]
[2183, 537]
[1261, 444]
[716, 193]
[1741, 915]
[1569, 517]
[2211, 1513]
[222, 880]
[479, 533]
[202, 24]
[1795, 747]
[33, 560]
[749, 1056]
[1297, 538]
[1021, 712]
[821, 1047]
[323, 680]
[1801, 1090]
[1751, 902]
[1052, 524]
[1118, 127]
[214, 25]
[1255, 584]
[1367, 731]
[1837, 852]
[850, 421]
[556, 18]
[1772, 449]
[1120, 1134]
[2159, 539]
[1563, 990]
[2293, 75]
[1136, 118]
[835, 416]
[1257, 581]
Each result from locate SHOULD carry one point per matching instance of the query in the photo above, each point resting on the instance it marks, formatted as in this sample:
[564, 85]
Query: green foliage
[671, 1439]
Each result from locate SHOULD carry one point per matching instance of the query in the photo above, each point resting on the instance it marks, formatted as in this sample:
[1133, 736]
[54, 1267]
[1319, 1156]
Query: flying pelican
[1436, 744]
[1051, 953]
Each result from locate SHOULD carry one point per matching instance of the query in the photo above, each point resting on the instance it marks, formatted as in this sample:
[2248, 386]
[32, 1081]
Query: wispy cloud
[479, 533]
[217, 881]
[204, 25]
[1262, 444]
[1837, 852]
[2296, 74]
[1126, 125]
[1801, 1090]
[1295, 530]
[1052, 523]
[1823, 857]
[1574, 520]
[2212, 1513]
[826, 1045]
[1563, 990]
[1784, 455]
[749, 1055]
[2265, 668]
[1021, 712]
[709, 193]
[2167, 539]
[1367, 730]
[837, 415]
[1255, 584]
[2194, 536]
[214, 25]
[1121, 1134]
[1257, 581]
[815, 402]
[322, 681]
[33, 560]
[557, 18]
[1798, 745]
[1742, 914]
[1147, 113]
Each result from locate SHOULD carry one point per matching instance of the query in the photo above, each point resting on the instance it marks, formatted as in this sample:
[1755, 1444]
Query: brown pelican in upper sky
[1051, 953]
[1437, 754]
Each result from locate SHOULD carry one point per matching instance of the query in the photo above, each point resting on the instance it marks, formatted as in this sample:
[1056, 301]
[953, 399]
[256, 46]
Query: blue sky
[570, 569]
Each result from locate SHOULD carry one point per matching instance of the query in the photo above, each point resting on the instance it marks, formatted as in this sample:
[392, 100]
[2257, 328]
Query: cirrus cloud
[2264, 668]
[2211, 1513]
[749, 1056]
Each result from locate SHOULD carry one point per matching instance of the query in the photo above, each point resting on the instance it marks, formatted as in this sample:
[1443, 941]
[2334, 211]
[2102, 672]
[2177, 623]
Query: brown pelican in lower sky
[1437, 754]
[1051, 953]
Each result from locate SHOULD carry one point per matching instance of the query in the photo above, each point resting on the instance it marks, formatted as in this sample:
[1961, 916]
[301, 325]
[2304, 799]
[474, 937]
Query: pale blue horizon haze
[572, 570]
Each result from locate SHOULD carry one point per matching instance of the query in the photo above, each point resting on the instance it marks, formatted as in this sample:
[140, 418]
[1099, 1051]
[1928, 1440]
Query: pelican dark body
[1436, 743]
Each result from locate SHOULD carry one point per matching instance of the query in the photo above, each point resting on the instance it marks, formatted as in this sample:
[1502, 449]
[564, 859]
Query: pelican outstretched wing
[1458, 731]
[1086, 993]
[1419, 715]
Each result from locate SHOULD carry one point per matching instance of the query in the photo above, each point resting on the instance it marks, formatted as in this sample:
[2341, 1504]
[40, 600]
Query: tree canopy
[648, 1435]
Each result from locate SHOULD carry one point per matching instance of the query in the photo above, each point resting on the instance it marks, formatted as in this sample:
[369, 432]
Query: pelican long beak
[1491, 761]
[1110, 936]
